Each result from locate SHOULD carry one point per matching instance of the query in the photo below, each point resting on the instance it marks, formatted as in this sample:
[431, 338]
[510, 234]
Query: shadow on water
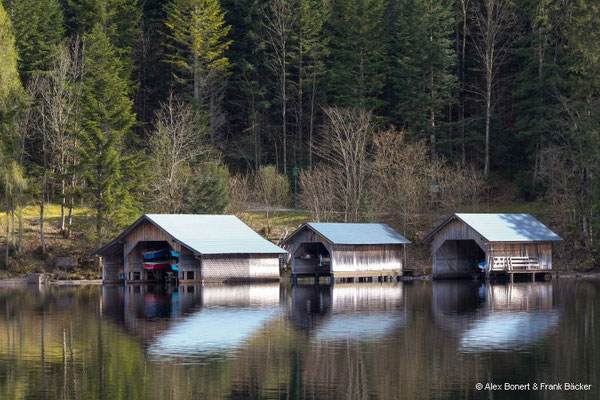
[421, 340]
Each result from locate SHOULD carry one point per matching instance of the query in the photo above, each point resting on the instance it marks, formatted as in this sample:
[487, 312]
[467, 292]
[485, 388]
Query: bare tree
[318, 192]
[400, 185]
[343, 145]
[278, 20]
[493, 22]
[240, 193]
[272, 189]
[175, 144]
[59, 95]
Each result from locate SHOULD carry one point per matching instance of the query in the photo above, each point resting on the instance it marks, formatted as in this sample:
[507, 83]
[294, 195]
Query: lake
[412, 340]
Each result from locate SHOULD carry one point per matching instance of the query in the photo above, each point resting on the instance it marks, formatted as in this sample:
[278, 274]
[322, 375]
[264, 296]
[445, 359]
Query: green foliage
[583, 113]
[206, 190]
[422, 57]
[539, 109]
[10, 84]
[39, 29]
[107, 117]
[121, 22]
[357, 50]
[196, 42]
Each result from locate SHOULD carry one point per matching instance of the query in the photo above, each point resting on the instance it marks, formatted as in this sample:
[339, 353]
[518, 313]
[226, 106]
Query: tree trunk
[99, 218]
[299, 138]
[462, 83]
[284, 113]
[63, 201]
[7, 252]
[42, 202]
[488, 112]
[312, 120]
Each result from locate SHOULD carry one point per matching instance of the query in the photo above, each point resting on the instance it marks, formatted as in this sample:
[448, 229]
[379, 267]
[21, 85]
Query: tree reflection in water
[413, 340]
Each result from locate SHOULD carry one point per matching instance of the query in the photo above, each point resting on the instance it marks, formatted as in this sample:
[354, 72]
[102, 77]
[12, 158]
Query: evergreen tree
[107, 117]
[10, 84]
[121, 21]
[12, 181]
[196, 43]
[206, 190]
[39, 29]
[247, 97]
[308, 59]
[538, 108]
[581, 142]
[357, 49]
[423, 56]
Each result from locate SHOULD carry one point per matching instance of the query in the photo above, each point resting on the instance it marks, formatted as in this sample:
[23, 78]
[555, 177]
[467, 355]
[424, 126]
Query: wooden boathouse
[346, 250]
[465, 245]
[208, 248]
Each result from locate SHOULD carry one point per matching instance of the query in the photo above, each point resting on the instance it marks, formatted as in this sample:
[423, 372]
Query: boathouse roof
[354, 233]
[503, 227]
[206, 234]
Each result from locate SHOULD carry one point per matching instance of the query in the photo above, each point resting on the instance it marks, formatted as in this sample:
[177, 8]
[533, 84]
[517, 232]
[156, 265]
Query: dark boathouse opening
[313, 258]
[459, 258]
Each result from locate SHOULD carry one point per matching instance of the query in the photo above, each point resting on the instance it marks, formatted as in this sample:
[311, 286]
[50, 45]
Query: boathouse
[346, 250]
[470, 244]
[195, 248]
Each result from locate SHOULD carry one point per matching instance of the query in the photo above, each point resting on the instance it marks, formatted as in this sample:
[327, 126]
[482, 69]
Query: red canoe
[156, 265]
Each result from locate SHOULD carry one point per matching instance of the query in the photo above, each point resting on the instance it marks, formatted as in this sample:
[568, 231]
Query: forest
[400, 111]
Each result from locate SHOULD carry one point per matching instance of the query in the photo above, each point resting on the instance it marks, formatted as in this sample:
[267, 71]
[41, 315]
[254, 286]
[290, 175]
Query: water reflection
[193, 320]
[418, 340]
[363, 311]
[496, 317]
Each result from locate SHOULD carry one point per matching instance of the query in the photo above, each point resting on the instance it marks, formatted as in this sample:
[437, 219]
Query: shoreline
[7, 282]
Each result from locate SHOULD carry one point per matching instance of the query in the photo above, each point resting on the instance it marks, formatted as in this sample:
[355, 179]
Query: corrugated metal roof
[354, 233]
[509, 227]
[214, 234]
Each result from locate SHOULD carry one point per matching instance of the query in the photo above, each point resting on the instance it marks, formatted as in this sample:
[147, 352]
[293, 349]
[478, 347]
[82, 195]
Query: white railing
[515, 263]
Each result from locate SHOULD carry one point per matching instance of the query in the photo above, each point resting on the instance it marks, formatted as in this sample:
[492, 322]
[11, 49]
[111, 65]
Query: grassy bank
[81, 244]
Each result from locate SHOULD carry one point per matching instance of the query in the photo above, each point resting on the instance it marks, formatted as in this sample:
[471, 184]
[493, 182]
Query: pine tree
[121, 21]
[196, 35]
[107, 117]
[581, 101]
[10, 84]
[39, 29]
[538, 109]
[247, 96]
[423, 55]
[309, 61]
[357, 50]
[11, 96]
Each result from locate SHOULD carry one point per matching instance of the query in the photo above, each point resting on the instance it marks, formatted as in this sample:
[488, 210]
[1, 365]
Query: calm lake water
[413, 340]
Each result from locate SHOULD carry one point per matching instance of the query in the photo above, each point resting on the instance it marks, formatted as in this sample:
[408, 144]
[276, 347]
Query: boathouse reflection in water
[429, 340]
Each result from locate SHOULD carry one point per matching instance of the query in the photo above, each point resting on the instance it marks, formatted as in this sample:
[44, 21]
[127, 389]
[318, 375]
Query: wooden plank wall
[112, 266]
[448, 261]
[542, 251]
[360, 258]
[240, 267]
[348, 258]
[144, 232]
